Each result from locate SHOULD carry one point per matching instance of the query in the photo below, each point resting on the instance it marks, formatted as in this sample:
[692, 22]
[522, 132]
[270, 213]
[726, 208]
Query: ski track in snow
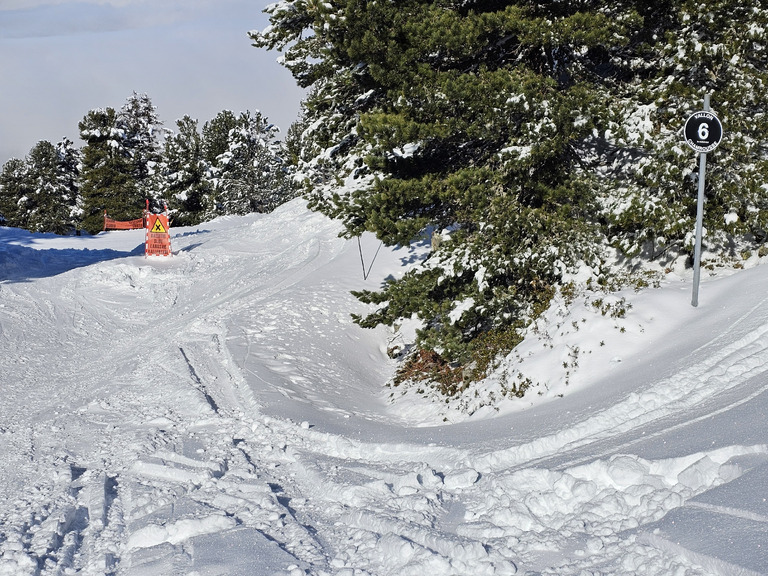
[188, 416]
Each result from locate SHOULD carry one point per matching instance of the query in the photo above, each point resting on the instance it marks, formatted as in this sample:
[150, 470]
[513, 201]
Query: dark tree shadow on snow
[19, 263]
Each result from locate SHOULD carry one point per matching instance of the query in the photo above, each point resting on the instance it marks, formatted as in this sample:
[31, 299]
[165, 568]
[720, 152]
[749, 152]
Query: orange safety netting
[110, 224]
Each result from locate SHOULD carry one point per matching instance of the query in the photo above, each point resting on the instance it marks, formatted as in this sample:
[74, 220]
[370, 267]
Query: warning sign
[158, 237]
[158, 228]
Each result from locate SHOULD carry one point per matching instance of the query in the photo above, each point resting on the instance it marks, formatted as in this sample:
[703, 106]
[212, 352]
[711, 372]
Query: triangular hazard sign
[158, 228]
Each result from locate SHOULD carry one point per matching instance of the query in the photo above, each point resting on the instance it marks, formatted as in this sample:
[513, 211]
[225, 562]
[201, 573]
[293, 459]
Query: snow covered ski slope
[218, 413]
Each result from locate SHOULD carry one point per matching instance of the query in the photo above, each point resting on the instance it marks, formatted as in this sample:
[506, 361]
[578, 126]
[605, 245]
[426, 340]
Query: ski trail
[716, 372]
[181, 345]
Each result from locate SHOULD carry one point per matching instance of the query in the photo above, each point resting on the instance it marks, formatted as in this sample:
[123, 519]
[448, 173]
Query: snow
[407, 150]
[459, 309]
[217, 412]
[639, 125]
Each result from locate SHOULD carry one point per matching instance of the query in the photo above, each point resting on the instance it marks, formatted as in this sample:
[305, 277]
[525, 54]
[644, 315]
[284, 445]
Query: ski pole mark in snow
[728, 511]
[200, 386]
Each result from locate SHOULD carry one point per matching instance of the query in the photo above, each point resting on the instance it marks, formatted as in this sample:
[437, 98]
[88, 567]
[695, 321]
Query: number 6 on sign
[703, 131]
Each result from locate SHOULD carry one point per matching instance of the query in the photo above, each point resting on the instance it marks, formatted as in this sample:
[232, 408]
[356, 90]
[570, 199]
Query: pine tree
[107, 176]
[52, 173]
[249, 174]
[119, 161]
[15, 190]
[216, 135]
[185, 175]
[459, 120]
[142, 134]
[40, 192]
[68, 179]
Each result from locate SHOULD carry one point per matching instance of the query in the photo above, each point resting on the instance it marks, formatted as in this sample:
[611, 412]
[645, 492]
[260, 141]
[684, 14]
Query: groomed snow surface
[217, 413]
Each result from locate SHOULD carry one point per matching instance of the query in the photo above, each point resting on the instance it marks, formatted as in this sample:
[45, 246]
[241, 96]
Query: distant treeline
[235, 165]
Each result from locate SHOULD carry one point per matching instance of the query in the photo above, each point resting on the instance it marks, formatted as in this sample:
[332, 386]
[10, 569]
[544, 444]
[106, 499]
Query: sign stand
[703, 133]
[158, 235]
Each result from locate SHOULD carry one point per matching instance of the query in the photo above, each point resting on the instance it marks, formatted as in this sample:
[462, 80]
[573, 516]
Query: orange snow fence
[158, 238]
[110, 224]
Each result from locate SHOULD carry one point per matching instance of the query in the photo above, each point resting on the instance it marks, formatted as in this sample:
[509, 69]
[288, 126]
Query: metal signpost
[703, 132]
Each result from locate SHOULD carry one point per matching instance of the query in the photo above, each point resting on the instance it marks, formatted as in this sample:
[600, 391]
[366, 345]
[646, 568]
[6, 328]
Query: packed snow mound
[218, 412]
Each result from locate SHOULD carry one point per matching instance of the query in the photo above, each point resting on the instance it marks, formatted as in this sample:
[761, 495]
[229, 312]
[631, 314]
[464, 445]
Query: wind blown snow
[217, 412]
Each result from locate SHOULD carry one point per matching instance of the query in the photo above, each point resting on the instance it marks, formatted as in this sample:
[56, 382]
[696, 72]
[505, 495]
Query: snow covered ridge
[217, 412]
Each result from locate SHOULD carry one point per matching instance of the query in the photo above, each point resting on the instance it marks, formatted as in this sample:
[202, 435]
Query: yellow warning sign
[158, 228]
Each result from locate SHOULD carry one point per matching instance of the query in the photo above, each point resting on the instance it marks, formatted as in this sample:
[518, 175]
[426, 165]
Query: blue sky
[61, 58]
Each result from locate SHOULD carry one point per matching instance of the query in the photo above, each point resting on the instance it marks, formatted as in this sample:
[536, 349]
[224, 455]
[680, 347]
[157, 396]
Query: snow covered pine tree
[529, 137]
